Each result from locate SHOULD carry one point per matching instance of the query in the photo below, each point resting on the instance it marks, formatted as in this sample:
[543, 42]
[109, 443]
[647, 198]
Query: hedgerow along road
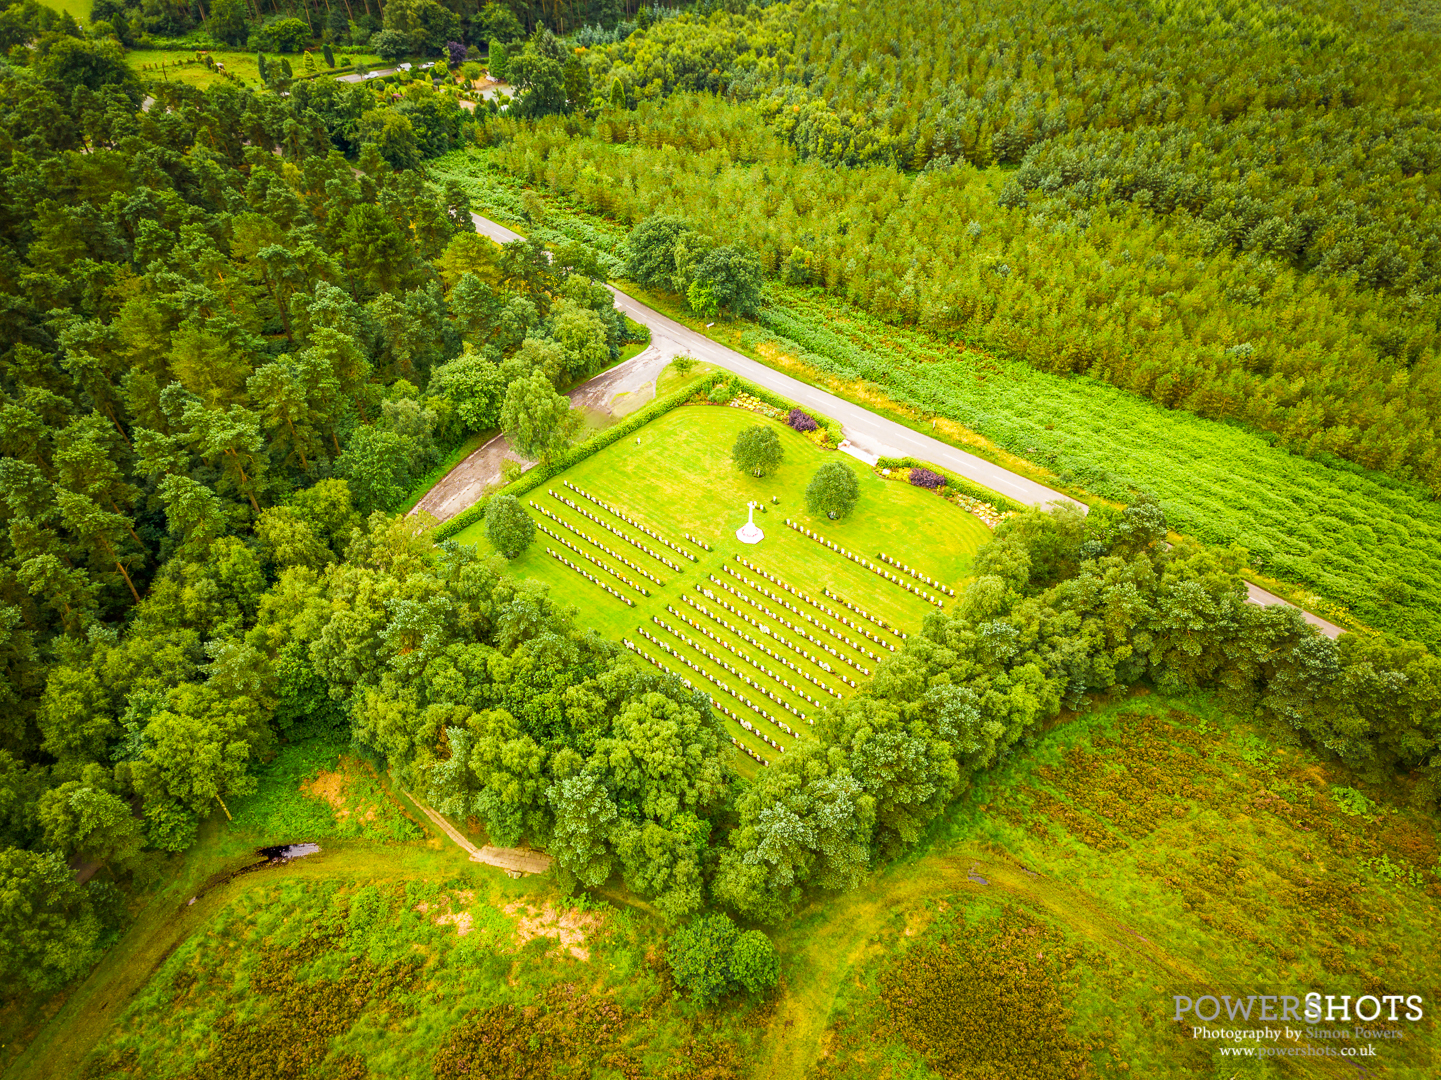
[869, 435]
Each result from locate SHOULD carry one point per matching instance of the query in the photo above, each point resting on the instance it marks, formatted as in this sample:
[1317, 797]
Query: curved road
[870, 436]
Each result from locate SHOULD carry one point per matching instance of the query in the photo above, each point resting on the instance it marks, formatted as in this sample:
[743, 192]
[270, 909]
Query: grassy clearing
[316, 789]
[80, 9]
[657, 480]
[1156, 846]
[361, 968]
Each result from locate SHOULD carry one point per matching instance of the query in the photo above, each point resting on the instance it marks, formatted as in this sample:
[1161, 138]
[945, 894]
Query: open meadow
[751, 642]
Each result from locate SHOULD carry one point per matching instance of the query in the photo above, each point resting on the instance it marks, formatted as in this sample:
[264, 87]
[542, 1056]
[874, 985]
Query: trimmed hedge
[532, 479]
[539, 475]
[954, 482]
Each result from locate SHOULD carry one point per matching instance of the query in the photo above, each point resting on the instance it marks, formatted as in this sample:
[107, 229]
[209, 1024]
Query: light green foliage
[1352, 802]
[537, 420]
[79, 817]
[833, 490]
[754, 964]
[757, 450]
[507, 526]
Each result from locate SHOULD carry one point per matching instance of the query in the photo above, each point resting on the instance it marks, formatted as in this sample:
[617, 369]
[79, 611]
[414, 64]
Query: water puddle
[286, 852]
[274, 856]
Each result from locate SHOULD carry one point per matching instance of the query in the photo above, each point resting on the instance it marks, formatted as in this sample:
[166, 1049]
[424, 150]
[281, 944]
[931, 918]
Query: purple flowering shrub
[927, 479]
[801, 422]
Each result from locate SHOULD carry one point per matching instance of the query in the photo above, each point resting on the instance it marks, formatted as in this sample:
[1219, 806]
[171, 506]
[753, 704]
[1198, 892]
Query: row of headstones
[803, 595]
[932, 582]
[807, 617]
[711, 678]
[746, 656]
[849, 554]
[633, 647]
[839, 599]
[742, 747]
[583, 512]
[586, 573]
[818, 644]
[697, 541]
[792, 626]
[745, 678]
[629, 520]
[612, 571]
[586, 536]
[787, 642]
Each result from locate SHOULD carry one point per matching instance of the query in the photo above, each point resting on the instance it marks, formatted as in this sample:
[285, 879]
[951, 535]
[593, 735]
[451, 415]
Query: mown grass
[678, 479]
[180, 65]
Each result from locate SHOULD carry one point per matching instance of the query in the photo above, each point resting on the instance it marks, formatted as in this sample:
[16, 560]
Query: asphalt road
[870, 436]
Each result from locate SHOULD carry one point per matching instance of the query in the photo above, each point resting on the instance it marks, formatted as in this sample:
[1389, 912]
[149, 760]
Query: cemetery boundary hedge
[537, 476]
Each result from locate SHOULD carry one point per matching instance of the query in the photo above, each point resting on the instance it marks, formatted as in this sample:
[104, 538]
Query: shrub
[802, 422]
[833, 490]
[721, 392]
[754, 964]
[710, 958]
[507, 526]
[927, 479]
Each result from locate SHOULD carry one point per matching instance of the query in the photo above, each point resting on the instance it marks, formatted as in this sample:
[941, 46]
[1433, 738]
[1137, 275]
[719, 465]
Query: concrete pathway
[869, 435]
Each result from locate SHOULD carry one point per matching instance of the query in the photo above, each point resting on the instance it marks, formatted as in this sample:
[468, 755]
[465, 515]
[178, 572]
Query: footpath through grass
[676, 478]
[1366, 544]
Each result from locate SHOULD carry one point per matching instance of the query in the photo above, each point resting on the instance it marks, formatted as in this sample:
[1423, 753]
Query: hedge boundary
[543, 473]
[954, 482]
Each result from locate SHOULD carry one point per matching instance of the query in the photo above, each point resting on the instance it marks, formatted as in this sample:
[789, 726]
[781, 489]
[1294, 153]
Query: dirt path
[514, 861]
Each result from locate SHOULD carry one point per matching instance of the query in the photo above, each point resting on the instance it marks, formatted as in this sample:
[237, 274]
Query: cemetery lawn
[180, 65]
[679, 479]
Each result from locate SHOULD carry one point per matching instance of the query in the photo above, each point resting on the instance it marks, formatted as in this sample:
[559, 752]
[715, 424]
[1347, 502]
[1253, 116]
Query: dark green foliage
[1194, 201]
[833, 490]
[710, 958]
[757, 450]
[507, 526]
[50, 928]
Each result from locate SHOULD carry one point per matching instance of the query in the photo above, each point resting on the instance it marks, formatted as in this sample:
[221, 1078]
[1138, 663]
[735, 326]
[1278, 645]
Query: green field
[676, 479]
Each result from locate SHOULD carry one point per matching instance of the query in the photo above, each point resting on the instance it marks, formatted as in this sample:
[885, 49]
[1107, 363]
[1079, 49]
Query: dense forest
[239, 327]
[1231, 210]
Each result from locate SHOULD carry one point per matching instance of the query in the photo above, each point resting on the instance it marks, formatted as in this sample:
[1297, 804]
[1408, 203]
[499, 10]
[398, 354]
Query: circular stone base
[750, 534]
